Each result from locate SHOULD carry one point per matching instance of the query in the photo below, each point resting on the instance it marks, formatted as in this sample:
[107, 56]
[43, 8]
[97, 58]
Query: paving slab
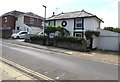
[10, 73]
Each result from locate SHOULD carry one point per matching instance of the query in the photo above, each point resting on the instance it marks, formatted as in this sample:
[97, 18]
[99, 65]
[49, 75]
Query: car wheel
[17, 37]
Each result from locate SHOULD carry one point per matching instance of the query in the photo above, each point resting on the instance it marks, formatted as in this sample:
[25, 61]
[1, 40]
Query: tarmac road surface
[59, 66]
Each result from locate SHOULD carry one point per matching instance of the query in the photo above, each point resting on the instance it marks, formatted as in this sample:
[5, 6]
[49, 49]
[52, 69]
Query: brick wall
[0, 21]
[26, 19]
[9, 23]
[36, 21]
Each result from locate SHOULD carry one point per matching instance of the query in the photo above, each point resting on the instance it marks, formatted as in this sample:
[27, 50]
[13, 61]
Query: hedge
[70, 39]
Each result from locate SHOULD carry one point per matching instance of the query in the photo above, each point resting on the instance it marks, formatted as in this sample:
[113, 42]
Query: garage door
[108, 43]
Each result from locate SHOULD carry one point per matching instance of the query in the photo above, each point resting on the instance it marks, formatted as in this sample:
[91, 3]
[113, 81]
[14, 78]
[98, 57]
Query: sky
[107, 10]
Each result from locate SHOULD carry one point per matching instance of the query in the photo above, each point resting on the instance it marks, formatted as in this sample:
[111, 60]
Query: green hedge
[70, 39]
[89, 34]
[112, 29]
[38, 37]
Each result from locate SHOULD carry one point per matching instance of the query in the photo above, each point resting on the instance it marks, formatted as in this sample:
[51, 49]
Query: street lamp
[44, 20]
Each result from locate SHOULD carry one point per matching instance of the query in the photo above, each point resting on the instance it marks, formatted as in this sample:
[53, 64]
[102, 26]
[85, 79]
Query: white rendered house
[77, 23]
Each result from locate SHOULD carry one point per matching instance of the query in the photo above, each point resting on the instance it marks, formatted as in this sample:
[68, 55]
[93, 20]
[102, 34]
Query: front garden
[61, 38]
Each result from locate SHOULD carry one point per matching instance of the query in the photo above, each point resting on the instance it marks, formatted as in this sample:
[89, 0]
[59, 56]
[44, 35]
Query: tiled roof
[16, 13]
[32, 15]
[13, 13]
[69, 15]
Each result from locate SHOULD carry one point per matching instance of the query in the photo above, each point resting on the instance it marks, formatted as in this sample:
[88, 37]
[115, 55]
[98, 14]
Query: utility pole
[44, 20]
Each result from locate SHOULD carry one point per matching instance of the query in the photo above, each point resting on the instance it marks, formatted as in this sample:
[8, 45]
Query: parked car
[18, 35]
[40, 33]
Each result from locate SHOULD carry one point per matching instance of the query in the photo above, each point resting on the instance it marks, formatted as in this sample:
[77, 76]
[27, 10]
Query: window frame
[6, 19]
[31, 20]
[79, 32]
[78, 21]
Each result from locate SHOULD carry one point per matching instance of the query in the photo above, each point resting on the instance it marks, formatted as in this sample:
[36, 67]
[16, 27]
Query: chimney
[53, 14]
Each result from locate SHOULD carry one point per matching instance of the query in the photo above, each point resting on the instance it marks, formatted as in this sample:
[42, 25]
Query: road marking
[27, 70]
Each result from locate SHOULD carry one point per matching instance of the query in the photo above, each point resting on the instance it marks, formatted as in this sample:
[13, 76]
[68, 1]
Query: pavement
[10, 73]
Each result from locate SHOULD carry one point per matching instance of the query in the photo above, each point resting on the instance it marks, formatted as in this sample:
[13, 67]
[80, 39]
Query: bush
[38, 37]
[70, 39]
[90, 33]
[87, 50]
[112, 29]
[53, 29]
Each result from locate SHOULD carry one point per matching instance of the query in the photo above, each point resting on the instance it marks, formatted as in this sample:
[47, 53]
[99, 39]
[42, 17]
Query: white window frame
[78, 21]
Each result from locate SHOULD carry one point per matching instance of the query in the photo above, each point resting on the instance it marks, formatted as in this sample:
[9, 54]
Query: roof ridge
[89, 13]
[75, 12]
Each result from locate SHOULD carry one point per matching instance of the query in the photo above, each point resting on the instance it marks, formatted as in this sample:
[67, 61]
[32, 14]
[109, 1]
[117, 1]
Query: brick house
[16, 21]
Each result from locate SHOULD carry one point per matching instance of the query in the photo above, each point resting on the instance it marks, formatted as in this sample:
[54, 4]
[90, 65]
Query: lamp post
[44, 20]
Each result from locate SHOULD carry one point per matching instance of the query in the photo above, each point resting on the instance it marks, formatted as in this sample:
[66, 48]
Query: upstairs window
[78, 22]
[6, 19]
[31, 20]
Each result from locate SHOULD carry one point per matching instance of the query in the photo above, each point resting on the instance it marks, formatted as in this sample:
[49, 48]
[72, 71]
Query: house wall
[21, 23]
[69, 26]
[91, 24]
[7, 26]
[10, 22]
[36, 20]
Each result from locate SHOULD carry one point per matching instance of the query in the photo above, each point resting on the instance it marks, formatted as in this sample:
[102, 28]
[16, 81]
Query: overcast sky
[104, 9]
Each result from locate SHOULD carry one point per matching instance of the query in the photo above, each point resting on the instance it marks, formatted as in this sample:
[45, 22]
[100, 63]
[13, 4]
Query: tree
[89, 34]
[112, 29]
[53, 29]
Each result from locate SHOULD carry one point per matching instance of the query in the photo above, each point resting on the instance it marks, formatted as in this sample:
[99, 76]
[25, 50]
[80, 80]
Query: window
[27, 29]
[78, 34]
[18, 28]
[23, 33]
[6, 19]
[79, 22]
[52, 23]
[31, 20]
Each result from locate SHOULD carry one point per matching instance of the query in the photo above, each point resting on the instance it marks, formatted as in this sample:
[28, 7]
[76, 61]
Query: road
[59, 66]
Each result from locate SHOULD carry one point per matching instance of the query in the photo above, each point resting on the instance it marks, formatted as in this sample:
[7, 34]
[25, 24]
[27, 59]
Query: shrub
[87, 50]
[70, 39]
[53, 29]
[38, 37]
[90, 33]
[112, 29]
